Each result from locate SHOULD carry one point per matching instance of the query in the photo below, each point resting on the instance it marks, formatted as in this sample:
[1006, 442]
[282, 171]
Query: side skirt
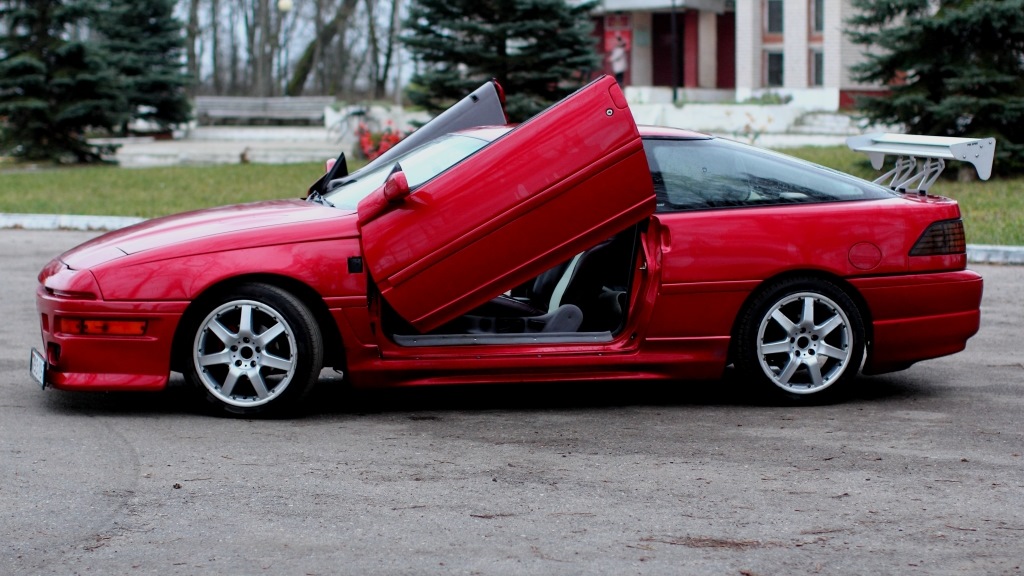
[498, 339]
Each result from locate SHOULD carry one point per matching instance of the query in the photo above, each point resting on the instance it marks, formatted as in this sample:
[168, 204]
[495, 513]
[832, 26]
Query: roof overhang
[718, 6]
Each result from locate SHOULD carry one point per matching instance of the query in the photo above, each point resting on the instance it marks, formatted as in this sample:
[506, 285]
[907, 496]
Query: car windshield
[419, 165]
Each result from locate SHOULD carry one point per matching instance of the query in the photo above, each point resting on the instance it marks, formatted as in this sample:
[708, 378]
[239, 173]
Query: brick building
[726, 50]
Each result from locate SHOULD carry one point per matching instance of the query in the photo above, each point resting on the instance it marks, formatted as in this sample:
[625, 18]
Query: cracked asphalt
[918, 472]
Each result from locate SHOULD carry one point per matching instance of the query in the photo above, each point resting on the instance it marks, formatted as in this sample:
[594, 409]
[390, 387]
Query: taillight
[944, 237]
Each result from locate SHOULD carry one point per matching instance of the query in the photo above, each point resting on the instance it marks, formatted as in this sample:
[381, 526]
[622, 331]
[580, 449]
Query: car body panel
[920, 316]
[802, 238]
[178, 257]
[488, 224]
[214, 224]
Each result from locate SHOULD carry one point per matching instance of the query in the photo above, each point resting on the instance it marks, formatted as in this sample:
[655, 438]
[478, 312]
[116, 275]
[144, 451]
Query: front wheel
[257, 351]
[802, 335]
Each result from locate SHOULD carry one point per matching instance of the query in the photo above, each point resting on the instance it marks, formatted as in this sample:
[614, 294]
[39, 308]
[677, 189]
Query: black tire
[801, 336]
[257, 350]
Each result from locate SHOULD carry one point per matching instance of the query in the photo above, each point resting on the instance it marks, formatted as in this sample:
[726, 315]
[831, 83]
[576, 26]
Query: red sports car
[575, 246]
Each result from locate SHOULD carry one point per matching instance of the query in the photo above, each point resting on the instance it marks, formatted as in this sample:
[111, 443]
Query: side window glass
[777, 180]
[693, 174]
[701, 174]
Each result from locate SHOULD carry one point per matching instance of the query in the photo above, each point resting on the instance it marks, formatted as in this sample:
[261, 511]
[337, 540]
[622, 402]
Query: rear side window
[713, 173]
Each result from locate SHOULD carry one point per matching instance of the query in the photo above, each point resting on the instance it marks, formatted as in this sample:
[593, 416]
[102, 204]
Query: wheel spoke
[832, 352]
[783, 321]
[220, 331]
[245, 320]
[815, 370]
[276, 362]
[831, 324]
[258, 384]
[788, 371]
[807, 316]
[270, 334]
[780, 347]
[222, 357]
[229, 382]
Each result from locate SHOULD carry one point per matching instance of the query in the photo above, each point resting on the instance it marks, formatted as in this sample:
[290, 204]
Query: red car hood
[190, 226]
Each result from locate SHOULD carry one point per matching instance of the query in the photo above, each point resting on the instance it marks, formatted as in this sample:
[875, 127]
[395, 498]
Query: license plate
[37, 367]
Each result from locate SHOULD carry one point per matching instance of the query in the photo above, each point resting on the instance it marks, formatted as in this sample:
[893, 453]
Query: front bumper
[101, 362]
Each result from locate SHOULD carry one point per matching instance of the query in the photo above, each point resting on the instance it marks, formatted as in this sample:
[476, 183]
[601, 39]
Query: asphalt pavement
[918, 472]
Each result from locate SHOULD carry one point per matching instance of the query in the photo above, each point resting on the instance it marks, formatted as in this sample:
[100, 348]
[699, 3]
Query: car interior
[584, 299]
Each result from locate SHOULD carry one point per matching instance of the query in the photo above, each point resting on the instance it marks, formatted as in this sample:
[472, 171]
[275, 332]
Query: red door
[561, 182]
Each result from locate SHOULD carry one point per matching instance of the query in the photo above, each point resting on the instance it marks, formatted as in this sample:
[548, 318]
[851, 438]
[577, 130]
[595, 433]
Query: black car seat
[598, 282]
[593, 283]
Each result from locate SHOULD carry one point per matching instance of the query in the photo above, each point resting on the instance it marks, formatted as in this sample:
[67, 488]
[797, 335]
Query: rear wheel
[803, 336]
[257, 351]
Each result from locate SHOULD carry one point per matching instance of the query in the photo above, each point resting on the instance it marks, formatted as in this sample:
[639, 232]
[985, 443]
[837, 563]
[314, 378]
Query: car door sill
[417, 340]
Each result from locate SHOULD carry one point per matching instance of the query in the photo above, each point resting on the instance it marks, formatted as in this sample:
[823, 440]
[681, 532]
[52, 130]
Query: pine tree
[954, 68]
[538, 50]
[54, 88]
[146, 45]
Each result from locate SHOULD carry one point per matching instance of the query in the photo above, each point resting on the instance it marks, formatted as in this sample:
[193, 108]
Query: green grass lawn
[149, 192]
[993, 211]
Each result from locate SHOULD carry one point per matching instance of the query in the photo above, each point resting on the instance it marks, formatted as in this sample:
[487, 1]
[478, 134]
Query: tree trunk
[218, 77]
[372, 41]
[380, 59]
[264, 50]
[191, 37]
[389, 50]
[304, 66]
[235, 81]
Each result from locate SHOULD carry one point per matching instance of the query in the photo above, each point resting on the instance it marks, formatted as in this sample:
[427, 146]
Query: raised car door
[565, 180]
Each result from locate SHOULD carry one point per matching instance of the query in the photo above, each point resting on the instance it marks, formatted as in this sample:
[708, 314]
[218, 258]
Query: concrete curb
[65, 222]
[976, 253]
[988, 254]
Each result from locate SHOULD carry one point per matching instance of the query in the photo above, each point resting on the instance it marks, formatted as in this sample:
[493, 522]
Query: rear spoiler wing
[935, 150]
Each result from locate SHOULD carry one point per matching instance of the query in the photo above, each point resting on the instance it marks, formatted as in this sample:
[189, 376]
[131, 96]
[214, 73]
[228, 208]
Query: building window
[773, 69]
[817, 16]
[773, 16]
[817, 68]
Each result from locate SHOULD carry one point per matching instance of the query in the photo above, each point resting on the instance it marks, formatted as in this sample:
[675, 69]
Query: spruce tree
[953, 67]
[54, 87]
[146, 45]
[538, 50]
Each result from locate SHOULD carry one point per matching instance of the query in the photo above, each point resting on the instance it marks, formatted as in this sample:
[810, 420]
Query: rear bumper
[919, 317]
[107, 363]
